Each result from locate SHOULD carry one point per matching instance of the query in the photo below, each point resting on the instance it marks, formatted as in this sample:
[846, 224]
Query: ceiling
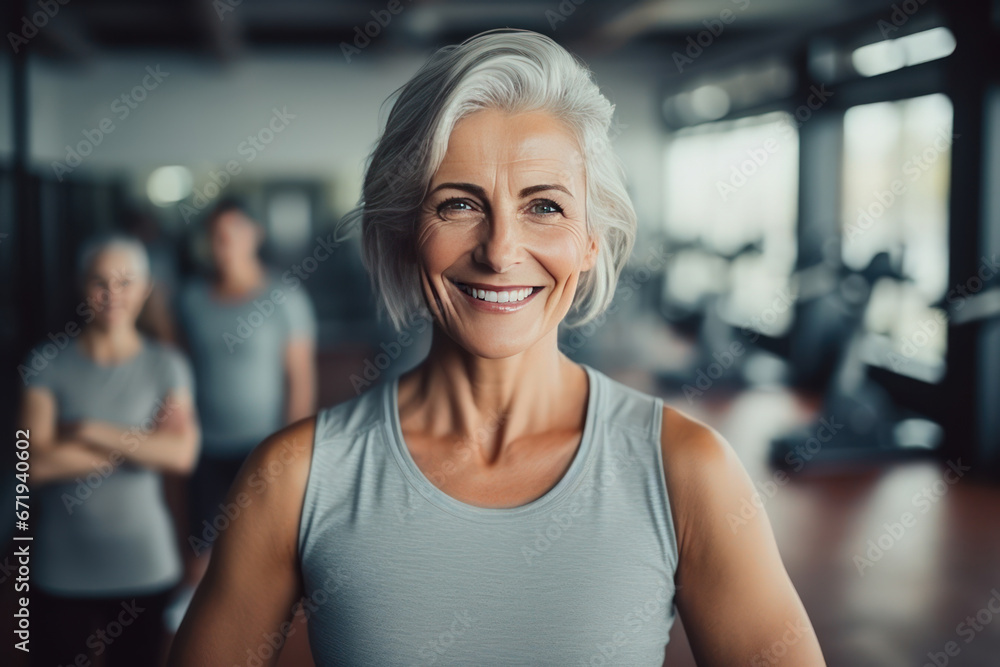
[229, 29]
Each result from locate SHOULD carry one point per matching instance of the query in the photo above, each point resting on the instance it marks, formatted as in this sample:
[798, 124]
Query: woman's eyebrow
[471, 188]
[478, 191]
[527, 192]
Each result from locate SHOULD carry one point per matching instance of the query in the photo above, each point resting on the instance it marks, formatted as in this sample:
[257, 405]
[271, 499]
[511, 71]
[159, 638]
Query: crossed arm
[69, 450]
[738, 604]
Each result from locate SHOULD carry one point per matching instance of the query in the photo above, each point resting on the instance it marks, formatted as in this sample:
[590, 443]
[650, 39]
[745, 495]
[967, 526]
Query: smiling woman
[498, 503]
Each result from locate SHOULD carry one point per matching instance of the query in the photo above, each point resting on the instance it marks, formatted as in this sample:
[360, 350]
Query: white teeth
[511, 296]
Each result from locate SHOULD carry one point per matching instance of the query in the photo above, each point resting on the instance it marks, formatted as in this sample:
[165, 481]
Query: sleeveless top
[397, 572]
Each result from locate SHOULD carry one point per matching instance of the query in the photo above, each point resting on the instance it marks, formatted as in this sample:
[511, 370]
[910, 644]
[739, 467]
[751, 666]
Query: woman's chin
[492, 344]
[115, 318]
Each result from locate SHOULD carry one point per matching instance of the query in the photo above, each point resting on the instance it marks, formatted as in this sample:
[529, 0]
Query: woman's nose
[501, 244]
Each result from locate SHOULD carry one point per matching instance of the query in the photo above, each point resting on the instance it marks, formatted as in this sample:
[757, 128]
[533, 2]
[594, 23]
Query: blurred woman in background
[107, 414]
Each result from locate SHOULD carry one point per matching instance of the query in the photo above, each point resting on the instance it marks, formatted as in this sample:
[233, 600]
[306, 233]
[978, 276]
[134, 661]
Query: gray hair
[509, 70]
[96, 245]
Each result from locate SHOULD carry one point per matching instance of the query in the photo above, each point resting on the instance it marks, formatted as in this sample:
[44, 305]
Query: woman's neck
[110, 345]
[453, 393]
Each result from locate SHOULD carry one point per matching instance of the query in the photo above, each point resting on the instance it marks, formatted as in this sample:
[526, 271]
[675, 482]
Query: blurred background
[817, 273]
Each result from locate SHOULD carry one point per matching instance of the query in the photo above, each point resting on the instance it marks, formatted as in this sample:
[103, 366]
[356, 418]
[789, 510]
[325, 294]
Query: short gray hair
[98, 244]
[510, 70]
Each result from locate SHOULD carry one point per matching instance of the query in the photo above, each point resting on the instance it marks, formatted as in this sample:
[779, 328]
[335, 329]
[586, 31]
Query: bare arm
[253, 580]
[171, 445]
[300, 371]
[738, 604]
[54, 458]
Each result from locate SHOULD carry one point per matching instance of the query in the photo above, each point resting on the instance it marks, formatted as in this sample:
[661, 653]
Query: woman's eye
[545, 208]
[454, 206]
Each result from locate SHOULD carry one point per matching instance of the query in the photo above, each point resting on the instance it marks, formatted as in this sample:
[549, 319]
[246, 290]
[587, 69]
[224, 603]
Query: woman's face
[115, 289]
[505, 215]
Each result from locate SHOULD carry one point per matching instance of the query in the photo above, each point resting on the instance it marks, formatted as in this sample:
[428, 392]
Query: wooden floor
[903, 610]
[913, 600]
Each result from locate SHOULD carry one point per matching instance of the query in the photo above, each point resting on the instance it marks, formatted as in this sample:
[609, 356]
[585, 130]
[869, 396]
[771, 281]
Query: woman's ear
[590, 259]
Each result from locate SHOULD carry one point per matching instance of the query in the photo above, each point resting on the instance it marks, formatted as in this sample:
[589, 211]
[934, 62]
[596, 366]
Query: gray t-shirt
[238, 351]
[107, 532]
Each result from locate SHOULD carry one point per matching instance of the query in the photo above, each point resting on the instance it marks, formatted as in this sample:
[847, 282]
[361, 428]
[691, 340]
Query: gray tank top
[397, 572]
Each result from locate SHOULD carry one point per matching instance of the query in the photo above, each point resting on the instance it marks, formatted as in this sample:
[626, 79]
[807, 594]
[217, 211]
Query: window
[897, 158]
[728, 185]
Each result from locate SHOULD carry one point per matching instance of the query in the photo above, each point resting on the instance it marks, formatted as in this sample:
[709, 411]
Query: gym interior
[816, 273]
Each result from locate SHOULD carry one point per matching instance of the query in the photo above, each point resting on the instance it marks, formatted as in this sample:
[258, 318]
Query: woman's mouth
[497, 300]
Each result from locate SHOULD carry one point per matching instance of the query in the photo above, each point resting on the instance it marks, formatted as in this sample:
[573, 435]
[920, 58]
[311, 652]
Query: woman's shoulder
[690, 447]
[689, 439]
[49, 360]
[290, 446]
[703, 473]
[277, 469]
[625, 406]
[352, 417]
